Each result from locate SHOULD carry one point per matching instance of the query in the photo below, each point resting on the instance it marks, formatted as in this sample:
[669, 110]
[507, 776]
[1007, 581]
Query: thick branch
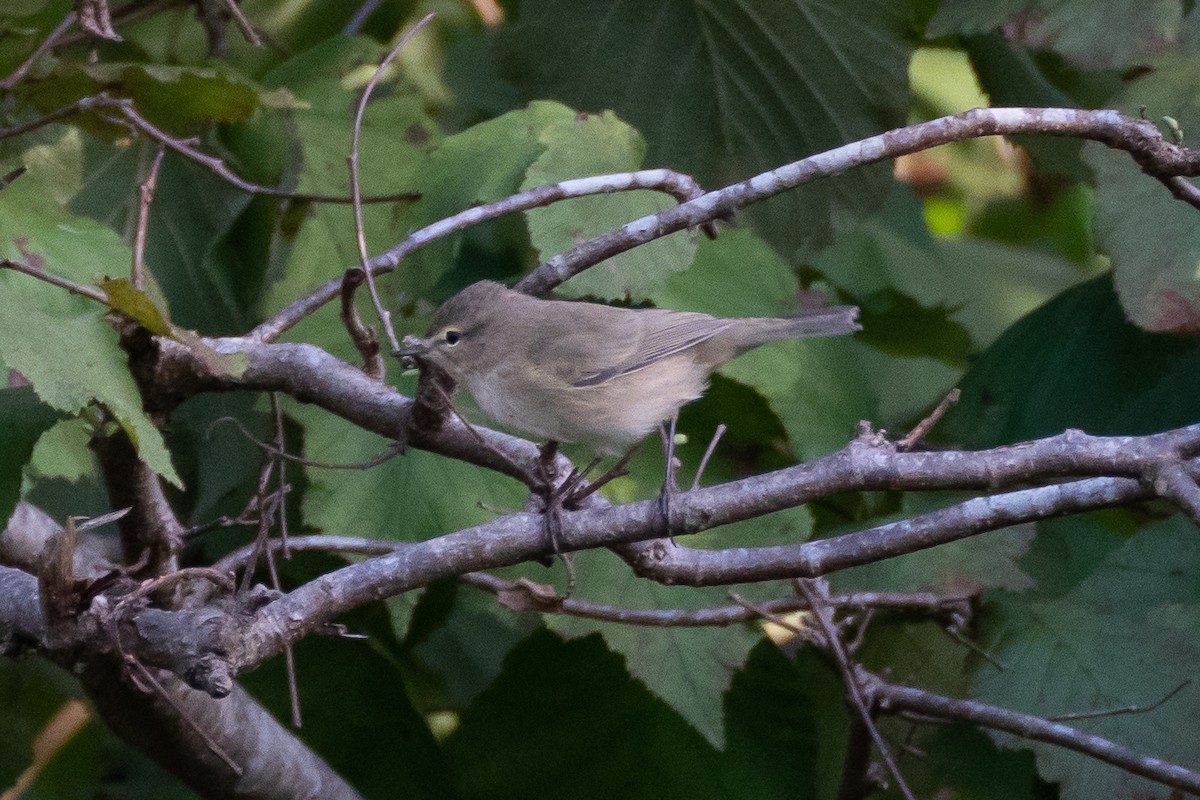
[229, 748]
[151, 535]
[21, 622]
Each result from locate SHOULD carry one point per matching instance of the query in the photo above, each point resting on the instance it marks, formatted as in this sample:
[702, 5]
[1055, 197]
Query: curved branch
[893, 698]
[1141, 139]
[1158, 157]
[681, 187]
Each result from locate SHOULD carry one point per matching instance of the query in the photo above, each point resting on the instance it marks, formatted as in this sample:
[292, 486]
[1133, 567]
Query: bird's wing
[648, 336]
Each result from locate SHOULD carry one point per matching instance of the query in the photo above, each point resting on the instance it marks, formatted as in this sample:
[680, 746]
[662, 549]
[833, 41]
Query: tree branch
[893, 698]
[1141, 139]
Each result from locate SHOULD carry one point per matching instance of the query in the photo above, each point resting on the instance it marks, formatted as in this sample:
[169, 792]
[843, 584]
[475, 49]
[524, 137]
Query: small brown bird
[582, 372]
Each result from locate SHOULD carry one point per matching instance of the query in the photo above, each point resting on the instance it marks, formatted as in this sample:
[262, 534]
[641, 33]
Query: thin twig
[11, 176]
[924, 426]
[263, 528]
[816, 592]
[894, 698]
[365, 340]
[145, 197]
[1114, 712]
[360, 234]
[281, 469]
[248, 31]
[138, 9]
[212, 743]
[360, 17]
[277, 452]
[90, 292]
[17, 74]
[708, 452]
[127, 116]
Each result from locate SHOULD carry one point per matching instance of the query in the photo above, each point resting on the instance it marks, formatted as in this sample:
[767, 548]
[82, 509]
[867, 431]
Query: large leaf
[565, 720]
[1076, 363]
[176, 97]
[596, 145]
[60, 341]
[988, 561]
[464, 651]
[483, 163]
[981, 286]
[372, 735]
[411, 497]
[1126, 636]
[787, 724]
[1149, 235]
[192, 213]
[726, 90]
[23, 419]
[687, 667]
[961, 763]
[395, 135]
[1090, 34]
[819, 388]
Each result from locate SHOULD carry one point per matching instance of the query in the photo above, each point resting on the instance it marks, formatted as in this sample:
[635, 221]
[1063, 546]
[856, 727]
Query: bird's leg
[669, 486]
[549, 494]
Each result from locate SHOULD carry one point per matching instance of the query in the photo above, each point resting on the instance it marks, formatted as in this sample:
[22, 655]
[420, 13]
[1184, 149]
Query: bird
[573, 371]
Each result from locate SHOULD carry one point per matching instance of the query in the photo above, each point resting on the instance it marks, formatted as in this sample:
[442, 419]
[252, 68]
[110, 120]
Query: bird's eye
[453, 337]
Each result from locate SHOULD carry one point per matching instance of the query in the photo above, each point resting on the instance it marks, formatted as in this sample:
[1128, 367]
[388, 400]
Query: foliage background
[1009, 269]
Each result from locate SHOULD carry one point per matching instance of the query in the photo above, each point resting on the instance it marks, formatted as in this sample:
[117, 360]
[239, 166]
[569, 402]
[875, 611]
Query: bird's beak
[412, 349]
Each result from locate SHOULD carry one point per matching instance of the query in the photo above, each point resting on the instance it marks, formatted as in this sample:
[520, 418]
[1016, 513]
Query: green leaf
[463, 652]
[410, 497]
[1012, 76]
[985, 285]
[152, 315]
[137, 305]
[24, 8]
[176, 97]
[23, 419]
[565, 720]
[597, 144]
[1148, 234]
[814, 386]
[1124, 636]
[481, 164]
[726, 90]
[961, 763]
[396, 135]
[31, 690]
[689, 668]
[220, 466]
[1104, 35]
[371, 723]
[1066, 551]
[63, 452]
[787, 725]
[59, 341]
[209, 287]
[1076, 363]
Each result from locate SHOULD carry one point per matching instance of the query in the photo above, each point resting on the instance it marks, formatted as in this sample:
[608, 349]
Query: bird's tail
[835, 321]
